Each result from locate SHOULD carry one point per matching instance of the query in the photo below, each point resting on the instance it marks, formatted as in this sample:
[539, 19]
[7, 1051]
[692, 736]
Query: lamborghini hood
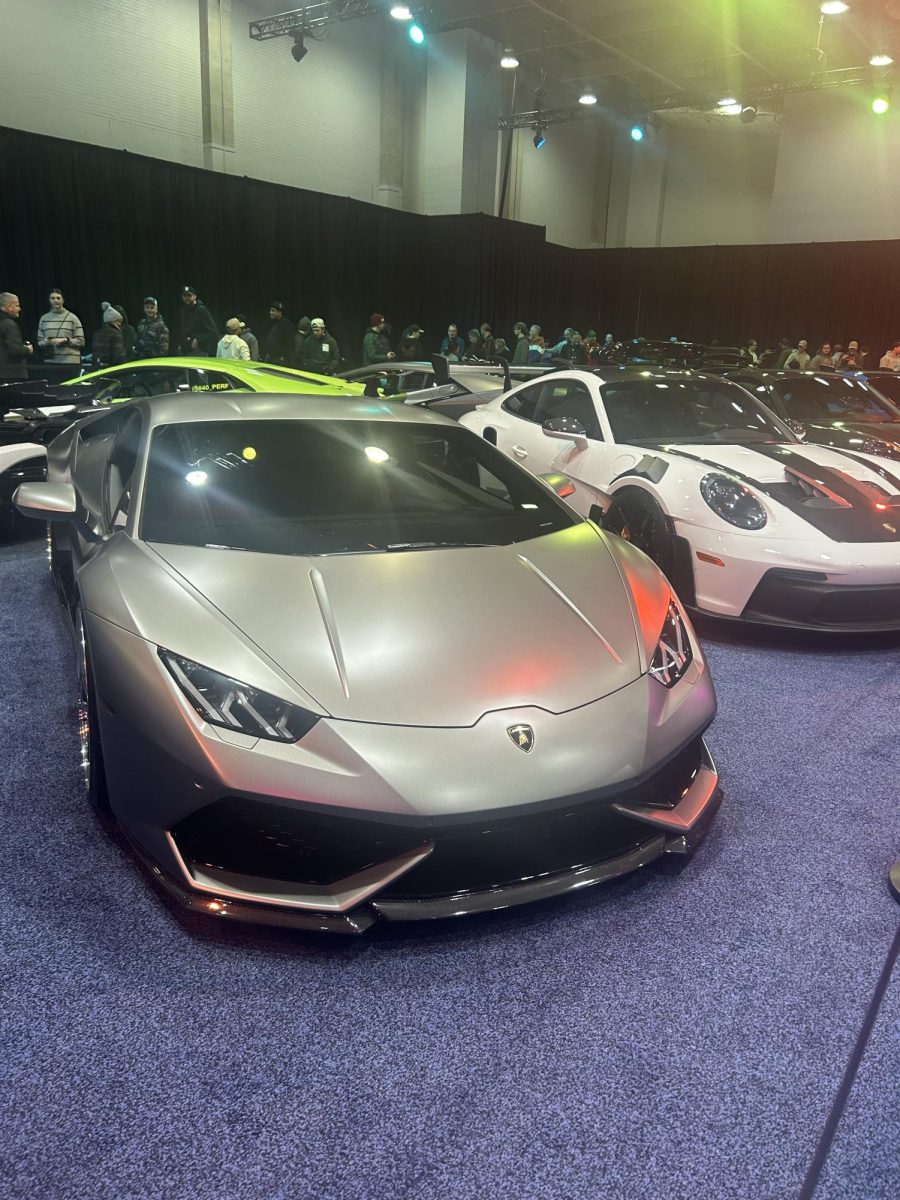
[424, 637]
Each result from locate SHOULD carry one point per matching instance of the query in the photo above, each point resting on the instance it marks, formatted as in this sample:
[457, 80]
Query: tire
[637, 518]
[90, 748]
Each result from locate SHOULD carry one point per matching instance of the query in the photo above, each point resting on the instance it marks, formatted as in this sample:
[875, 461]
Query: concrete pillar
[461, 110]
[390, 169]
[217, 97]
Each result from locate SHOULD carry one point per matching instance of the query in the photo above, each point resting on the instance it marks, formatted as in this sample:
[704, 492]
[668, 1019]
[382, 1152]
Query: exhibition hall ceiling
[671, 53]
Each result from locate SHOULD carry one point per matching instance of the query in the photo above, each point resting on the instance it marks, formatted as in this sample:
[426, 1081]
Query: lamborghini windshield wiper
[394, 547]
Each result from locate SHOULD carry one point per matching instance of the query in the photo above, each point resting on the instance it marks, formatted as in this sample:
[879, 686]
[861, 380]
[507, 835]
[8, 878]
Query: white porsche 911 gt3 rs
[746, 520]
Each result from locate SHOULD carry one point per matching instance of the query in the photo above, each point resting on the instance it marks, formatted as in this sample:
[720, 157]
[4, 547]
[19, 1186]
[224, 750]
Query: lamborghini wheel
[90, 751]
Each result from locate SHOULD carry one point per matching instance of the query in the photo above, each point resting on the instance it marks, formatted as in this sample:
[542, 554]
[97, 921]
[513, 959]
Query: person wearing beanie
[60, 333]
[249, 337]
[301, 337]
[376, 347]
[108, 345]
[321, 353]
[129, 334]
[232, 345]
[197, 332]
[280, 338]
[152, 332]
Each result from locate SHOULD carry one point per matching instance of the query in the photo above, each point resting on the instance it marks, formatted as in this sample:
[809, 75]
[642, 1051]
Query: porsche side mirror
[47, 501]
[566, 429]
[797, 427]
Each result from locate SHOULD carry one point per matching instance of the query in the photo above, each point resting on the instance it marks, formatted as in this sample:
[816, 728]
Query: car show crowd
[309, 345]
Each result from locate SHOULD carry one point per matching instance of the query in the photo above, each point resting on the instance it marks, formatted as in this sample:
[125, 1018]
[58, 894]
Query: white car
[746, 520]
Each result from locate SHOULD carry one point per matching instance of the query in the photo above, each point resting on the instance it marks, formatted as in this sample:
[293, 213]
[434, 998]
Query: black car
[833, 408]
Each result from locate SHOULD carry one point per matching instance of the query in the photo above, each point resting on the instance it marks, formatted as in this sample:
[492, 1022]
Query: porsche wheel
[638, 519]
[90, 752]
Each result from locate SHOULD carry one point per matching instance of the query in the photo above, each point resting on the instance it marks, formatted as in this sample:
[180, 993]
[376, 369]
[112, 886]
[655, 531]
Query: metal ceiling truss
[312, 18]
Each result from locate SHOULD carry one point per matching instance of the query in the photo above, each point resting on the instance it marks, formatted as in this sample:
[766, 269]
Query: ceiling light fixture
[416, 34]
[509, 62]
[538, 139]
[733, 109]
[299, 49]
[638, 132]
[748, 113]
[588, 96]
[401, 12]
[726, 102]
[880, 60]
[833, 8]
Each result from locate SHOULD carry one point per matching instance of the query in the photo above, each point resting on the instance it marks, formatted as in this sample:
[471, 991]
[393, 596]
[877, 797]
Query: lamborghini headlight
[224, 701]
[674, 653]
[732, 501]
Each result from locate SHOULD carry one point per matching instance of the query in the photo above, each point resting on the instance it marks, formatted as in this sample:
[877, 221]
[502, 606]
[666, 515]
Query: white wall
[718, 184]
[560, 185]
[314, 124]
[118, 73]
[836, 178]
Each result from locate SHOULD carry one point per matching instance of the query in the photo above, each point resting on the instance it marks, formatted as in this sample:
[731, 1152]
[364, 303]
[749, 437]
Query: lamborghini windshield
[338, 487]
[656, 410]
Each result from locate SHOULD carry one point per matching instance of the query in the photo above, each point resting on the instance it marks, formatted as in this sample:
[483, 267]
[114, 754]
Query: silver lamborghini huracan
[344, 660]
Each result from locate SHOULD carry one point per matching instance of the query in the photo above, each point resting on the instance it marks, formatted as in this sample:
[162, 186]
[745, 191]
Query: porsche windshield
[688, 410]
[338, 487]
[833, 398]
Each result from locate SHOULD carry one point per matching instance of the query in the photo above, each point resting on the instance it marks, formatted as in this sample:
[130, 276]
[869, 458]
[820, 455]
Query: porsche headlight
[732, 501]
[673, 653]
[224, 701]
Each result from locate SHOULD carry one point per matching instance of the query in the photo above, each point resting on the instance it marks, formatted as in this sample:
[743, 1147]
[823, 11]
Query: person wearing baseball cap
[152, 332]
[197, 332]
[376, 347]
[321, 353]
[280, 338]
[409, 348]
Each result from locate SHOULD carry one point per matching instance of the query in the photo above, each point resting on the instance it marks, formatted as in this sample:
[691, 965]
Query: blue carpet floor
[680, 1035]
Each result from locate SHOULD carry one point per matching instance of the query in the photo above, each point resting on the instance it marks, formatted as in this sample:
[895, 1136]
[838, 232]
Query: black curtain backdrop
[108, 225]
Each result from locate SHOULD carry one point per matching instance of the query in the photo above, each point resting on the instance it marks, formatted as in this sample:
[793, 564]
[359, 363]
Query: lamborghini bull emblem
[522, 736]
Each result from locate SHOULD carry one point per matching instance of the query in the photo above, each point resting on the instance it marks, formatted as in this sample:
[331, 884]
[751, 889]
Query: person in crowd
[301, 337]
[501, 350]
[129, 333]
[409, 348]
[890, 360]
[14, 351]
[197, 332]
[536, 345]
[572, 350]
[487, 340]
[750, 351]
[473, 350]
[60, 334]
[249, 337]
[864, 353]
[108, 345]
[520, 344]
[837, 351]
[232, 345]
[849, 360]
[152, 332]
[280, 338]
[555, 350]
[591, 344]
[785, 350]
[822, 361]
[376, 347]
[321, 353]
[798, 359]
[453, 346]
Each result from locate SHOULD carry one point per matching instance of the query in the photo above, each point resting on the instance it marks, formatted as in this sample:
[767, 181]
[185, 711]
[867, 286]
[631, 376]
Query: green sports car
[160, 376]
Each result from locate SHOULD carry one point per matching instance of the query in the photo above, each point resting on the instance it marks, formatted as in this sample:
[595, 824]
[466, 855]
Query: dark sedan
[834, 409]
